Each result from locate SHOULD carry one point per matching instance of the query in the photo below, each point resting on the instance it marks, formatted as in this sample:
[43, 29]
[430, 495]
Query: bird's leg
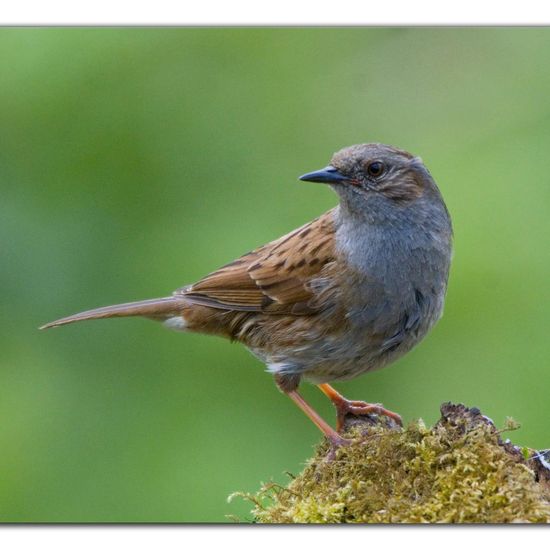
[333, 436]
[289, 387]
[345, 406]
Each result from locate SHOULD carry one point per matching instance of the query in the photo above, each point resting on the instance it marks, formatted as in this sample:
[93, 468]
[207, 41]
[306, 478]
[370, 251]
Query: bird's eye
[376, 169]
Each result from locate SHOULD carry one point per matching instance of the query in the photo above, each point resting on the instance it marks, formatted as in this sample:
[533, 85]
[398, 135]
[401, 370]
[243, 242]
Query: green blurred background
[134, 161]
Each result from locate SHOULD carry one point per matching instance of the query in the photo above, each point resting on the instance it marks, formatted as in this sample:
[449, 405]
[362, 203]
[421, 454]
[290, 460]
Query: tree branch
[458, 471]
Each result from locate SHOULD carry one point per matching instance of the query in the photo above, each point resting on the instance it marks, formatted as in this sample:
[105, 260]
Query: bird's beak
[325, 175]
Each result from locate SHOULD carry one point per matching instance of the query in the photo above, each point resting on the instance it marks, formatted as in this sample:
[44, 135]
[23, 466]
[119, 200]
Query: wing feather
[273, 278]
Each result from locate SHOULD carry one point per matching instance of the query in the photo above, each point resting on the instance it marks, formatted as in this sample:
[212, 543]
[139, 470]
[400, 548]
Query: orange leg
[345, 406]
[334, 437]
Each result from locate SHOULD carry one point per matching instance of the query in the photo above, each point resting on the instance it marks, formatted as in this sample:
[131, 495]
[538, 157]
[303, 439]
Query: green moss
[459, 471]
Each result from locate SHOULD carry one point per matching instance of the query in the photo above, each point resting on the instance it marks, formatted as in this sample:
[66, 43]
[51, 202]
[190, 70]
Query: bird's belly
[332, 359]
[349, 353]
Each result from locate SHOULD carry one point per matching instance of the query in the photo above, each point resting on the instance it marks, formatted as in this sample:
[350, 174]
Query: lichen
[458, 471]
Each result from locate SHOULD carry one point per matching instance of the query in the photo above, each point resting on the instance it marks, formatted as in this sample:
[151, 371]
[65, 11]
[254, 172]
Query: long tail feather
[159, 308]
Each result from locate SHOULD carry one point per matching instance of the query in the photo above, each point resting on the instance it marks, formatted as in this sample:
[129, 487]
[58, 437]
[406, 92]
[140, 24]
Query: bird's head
[362, 172]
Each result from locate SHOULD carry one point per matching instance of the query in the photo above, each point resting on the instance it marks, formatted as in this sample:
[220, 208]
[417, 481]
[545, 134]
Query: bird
[349, 292]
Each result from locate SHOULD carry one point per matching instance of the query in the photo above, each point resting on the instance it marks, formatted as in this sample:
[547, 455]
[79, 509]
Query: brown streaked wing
[272, 278]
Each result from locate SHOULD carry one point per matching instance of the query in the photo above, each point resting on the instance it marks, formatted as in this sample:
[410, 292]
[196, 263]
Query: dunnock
[347, 293]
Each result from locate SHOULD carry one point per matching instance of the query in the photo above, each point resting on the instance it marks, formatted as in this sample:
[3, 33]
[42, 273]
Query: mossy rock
[459, 471]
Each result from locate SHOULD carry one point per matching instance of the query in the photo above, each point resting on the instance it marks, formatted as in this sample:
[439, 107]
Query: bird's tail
[158, 308]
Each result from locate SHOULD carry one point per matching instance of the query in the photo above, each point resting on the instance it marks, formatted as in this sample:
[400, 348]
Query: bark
[458, 471]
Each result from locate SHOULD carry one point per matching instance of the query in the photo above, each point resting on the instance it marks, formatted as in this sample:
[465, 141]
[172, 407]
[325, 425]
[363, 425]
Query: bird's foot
[339, 441]
[358, 408]
[346, 406]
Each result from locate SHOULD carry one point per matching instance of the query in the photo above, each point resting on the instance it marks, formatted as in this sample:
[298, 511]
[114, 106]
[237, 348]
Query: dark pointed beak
[325, 175]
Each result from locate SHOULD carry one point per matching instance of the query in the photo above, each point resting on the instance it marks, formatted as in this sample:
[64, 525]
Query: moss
[458, 471]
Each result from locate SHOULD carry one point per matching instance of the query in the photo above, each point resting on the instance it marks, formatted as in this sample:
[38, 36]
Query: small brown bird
[345, 294]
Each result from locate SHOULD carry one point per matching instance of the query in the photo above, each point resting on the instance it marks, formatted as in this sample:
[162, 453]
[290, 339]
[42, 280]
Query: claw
[359, 408]
[345, 406]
